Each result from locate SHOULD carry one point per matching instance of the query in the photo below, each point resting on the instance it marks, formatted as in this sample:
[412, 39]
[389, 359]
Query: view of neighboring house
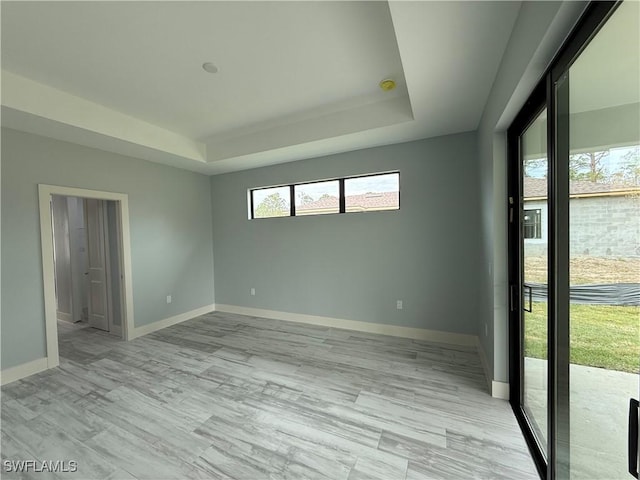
[607, 214]
[353, 203]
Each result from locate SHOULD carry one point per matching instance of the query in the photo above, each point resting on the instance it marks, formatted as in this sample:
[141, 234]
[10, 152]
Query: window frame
[252, 203]
[340, 183]
[341, 195]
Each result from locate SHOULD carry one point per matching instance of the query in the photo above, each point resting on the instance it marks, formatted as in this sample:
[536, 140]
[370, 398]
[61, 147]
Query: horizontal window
[367, 194]
[271, 202]
[317, 198]
[364, 193]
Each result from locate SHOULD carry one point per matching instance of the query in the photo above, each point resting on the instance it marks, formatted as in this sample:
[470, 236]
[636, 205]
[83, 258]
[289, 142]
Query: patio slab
[599, 402]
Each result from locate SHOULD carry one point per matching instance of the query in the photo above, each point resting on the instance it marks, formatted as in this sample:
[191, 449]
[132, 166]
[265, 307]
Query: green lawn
[601, 335]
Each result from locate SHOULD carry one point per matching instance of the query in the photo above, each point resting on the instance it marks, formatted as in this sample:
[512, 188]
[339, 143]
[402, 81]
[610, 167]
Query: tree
[304, 198]
[588, 166]
[534, 167]
[631, 168]
[272, 206]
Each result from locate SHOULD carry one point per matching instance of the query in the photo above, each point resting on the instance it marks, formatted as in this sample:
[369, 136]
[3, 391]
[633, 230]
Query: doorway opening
[87, 266]
[86, 262]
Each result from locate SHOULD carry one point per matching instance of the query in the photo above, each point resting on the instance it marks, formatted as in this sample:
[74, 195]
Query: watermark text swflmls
[37, 466]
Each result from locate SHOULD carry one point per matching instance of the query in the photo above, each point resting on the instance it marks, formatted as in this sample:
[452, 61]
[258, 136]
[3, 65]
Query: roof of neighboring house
[365, 201]
[537, 188]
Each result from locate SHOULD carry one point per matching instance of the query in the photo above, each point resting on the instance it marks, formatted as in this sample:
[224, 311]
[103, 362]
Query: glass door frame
[552, 93]
[536, 103]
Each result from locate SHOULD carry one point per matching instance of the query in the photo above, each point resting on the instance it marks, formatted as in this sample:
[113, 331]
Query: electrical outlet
[399, 304]
[253, 292]
[168, 298]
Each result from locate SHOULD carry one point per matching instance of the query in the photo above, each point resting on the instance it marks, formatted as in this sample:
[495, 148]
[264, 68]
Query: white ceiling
[297, 79]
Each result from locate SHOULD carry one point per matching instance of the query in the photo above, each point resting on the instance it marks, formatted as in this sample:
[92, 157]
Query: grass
[604, 336]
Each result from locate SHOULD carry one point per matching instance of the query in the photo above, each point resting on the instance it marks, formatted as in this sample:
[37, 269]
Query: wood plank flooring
[227, 396]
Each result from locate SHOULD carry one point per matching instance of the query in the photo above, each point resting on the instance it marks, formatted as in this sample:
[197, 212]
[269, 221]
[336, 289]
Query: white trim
[500, 390]
[383, 329]
[48, 275]
[485, 365]
[115, 330]
[24, 370]
[65, 317]
[117, 131]
[167, 322]
[496, 389]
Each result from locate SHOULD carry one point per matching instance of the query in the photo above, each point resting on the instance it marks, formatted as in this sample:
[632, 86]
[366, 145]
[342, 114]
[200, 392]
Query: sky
[614, 162]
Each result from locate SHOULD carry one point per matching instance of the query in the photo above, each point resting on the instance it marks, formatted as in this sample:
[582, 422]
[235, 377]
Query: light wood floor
[229, 396]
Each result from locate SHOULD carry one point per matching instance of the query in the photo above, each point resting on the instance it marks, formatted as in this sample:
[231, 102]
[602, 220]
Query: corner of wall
[485, 364]
[500, 390]
[167, 322]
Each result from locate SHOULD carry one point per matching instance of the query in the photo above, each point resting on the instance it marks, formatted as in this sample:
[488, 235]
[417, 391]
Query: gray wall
[170, 233]
[355, 266]
[605, 226]
[602, 226]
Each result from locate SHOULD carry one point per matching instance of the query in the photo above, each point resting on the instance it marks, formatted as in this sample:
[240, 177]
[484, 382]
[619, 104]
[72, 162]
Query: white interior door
[97, 271]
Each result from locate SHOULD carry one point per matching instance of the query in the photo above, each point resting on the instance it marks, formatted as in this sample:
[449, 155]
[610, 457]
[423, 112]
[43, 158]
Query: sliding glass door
[604, 244]
[574, 239]
[535, 276]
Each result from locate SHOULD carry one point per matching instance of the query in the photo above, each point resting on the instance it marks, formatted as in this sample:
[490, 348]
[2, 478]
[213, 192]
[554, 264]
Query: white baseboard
[485, 365]
[496, 389]
[167, 322]
[21, 371]
[383, 329]
[500, 390]
[65, 317]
